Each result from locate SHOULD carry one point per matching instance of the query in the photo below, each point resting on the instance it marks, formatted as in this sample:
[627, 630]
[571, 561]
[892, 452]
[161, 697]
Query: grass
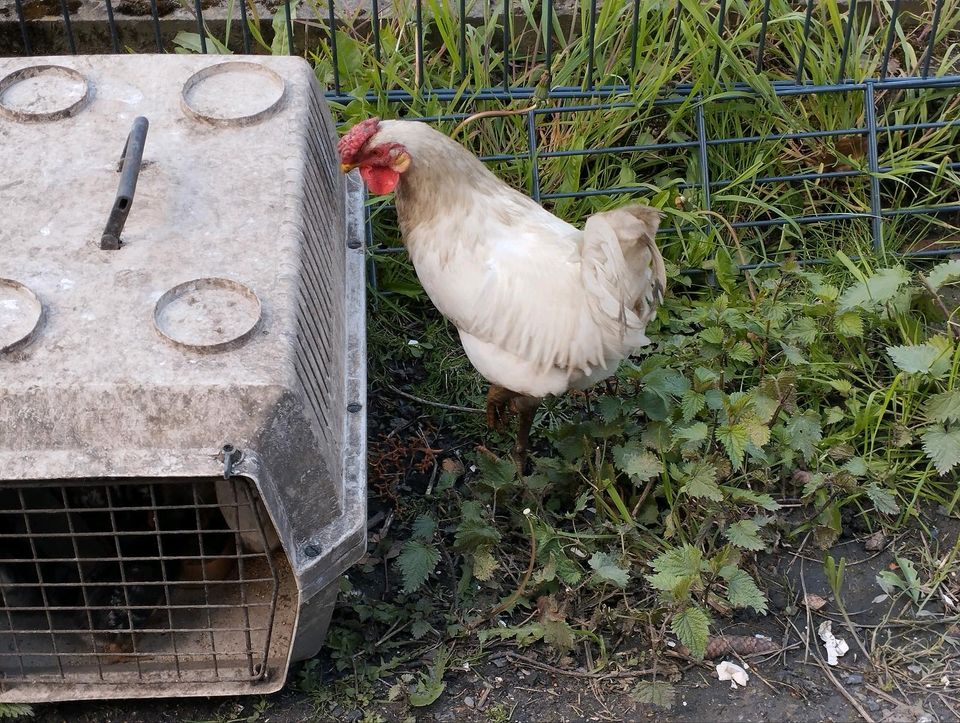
[775, 406]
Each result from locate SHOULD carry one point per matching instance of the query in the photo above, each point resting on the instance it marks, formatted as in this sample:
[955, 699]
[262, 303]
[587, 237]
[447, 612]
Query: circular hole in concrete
[43, 93]
[207, 314]
[234, 93]
[20, 315]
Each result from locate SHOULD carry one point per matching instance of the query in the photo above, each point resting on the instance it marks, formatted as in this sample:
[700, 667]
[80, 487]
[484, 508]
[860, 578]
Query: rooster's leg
[499, 410]
[526, 408]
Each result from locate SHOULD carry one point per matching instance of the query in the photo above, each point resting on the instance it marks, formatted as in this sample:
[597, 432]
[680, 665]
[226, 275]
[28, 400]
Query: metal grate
[135, 581]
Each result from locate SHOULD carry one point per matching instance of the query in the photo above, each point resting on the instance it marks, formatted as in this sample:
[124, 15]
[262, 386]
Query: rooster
[541, 306]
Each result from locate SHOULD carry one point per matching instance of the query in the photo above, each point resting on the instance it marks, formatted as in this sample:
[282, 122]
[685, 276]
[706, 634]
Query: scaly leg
[499, 409]
[525, 408]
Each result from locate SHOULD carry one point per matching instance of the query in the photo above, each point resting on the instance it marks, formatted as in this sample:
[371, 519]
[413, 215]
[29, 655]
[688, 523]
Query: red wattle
[379, 180]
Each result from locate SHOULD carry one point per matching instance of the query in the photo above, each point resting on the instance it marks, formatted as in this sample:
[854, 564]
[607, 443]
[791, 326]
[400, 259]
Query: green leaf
[692, 627]
[666, 381]
[849, 324]
[423, 528]
[431, 685]
[636, 462]
[416, 562]
[876, 290]
[932, 357]
[793, 354]
[942, 447]
[742, 591]
[742, 352]
[419, 628]
[943, 274]
[496, 472]
[734, 438]
[882, 499]
[700, 480]
[744, 534]
[856, 466]
[765, 501]
[803, 330]
[713, 335]
[606, 568]
[804, 433]
[944, 407]
[691, 403]
[655, 692]
[692, 435]
[679, 561]
[813, 483]
[16, 710]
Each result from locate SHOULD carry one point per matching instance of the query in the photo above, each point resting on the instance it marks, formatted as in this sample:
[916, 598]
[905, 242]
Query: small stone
[854, 679]
[469, 701]
[876, 542]
[873, 705]
[501, 662]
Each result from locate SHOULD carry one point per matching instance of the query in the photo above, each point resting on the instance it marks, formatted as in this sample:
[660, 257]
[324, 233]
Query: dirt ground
[915, 675]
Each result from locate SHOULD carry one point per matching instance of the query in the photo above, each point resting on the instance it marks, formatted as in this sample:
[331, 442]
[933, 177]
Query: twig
[490, 114]
[431, 403]
[576, 673]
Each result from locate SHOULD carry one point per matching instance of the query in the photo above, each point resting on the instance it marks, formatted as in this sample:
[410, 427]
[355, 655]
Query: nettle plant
[833, 387]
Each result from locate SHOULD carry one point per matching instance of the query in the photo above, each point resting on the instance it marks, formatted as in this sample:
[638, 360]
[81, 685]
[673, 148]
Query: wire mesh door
[135, 581]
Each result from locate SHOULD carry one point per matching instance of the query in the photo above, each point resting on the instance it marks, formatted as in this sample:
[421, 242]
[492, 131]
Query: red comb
[353, 141]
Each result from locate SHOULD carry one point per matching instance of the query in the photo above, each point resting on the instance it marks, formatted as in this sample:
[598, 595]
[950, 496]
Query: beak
[347, 167]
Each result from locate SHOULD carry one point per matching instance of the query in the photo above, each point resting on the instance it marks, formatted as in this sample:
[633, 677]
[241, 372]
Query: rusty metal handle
[129, 168]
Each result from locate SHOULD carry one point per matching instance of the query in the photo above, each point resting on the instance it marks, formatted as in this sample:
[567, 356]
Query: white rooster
[541, 306]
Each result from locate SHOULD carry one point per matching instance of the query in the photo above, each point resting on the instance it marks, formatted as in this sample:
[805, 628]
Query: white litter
[836, 647]
[734, 673]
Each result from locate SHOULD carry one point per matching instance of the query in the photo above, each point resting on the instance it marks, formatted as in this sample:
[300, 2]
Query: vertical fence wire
[244, 27]
[870, 114]
[23, 27]
[888, 46]
[114, 38]
[932, 40]
[68, 26]
[155, 12]
[332, 39]
[807, 21]
[419, 43]
[506, 46]
[532, 152]
[288, 18]
[198, 9]
[762, 41]
[675, 50]
[591, 43]
[847, 30]
[462, 40]
[721, 18]
[375, 28]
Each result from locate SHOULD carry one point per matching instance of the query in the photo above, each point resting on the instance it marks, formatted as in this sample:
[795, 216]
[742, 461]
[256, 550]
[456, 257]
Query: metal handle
[129, 168]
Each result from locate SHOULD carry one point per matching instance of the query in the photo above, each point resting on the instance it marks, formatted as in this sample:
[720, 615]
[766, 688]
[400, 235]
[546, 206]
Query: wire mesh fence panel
[807, 126]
